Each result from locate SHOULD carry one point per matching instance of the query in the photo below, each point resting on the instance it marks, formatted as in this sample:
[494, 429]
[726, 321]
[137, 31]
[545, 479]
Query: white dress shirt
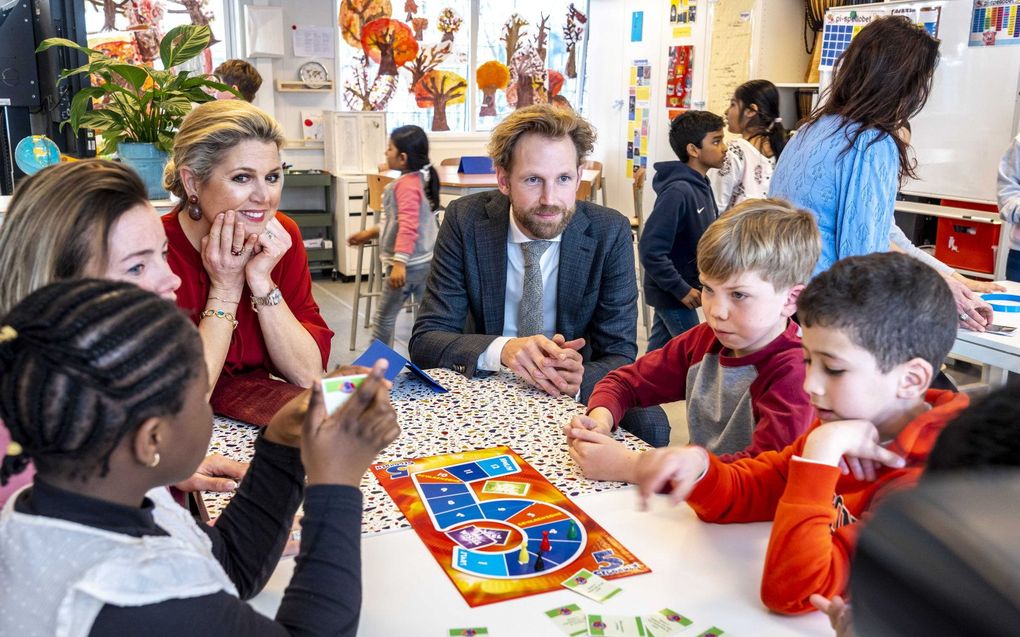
[489, 360]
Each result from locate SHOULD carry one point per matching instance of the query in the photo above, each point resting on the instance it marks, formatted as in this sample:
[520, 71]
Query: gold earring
[155, 460]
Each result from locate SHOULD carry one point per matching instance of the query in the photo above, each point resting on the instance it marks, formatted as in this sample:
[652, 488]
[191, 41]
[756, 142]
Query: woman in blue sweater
[848, 160]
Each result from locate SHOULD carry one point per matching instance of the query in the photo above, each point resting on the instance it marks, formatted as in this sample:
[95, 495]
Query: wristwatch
[275, 297]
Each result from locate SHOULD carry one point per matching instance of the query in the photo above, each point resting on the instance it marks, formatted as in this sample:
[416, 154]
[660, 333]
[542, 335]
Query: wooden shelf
[304, 144]
[297, 86]
[813, 85]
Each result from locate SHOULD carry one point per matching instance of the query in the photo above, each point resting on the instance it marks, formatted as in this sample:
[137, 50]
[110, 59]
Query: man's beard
[538, 228]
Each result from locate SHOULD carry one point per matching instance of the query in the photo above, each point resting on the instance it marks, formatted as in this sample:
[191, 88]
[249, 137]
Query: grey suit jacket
[462, 312]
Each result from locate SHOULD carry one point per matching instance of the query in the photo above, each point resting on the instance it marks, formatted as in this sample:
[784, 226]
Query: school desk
[708, 572]
[1000, 354]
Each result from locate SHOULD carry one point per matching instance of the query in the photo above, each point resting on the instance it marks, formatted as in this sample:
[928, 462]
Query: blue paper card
[637, 21]
[378, 350]
[475, 165]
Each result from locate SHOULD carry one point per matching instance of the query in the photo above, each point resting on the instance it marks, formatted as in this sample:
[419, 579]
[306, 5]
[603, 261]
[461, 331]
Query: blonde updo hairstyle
[211, 130]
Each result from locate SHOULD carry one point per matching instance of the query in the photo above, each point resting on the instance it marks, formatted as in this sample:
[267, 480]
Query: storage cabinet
[309, 199]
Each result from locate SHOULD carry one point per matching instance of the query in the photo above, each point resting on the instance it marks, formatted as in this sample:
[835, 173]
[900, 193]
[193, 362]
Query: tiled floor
[336, 300]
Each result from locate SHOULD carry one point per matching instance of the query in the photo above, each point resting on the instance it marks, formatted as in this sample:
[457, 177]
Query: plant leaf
[80, 103]
[135, 75]
[49, 43]
[182, 43]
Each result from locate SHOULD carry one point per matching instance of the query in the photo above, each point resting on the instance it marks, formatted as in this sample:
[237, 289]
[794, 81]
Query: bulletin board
[729, 64]
[995, 23]
[638, 115]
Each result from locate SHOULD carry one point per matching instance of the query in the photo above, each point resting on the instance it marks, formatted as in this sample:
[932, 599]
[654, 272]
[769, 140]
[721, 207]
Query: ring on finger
[269, 234]
[964, 317]
[237, 253]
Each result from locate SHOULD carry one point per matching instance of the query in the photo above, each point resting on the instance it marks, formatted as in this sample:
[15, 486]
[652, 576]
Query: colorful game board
[497, 527]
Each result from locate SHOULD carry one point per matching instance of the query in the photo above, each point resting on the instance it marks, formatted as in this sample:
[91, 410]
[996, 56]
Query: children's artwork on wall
[638, 109]
[682, 14]
[437, 90]
[680, 77]
[491, 77]
[311, 125]
[131, 31]
[573, 31]
[995, 23]
[729, 65]
[449, 24]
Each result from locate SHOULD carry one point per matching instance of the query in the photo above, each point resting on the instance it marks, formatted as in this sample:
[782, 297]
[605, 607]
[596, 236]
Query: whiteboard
[971, 114]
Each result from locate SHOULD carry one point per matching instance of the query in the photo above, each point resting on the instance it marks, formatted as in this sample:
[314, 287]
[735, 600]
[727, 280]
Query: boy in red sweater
[742, 371]
[876, 329]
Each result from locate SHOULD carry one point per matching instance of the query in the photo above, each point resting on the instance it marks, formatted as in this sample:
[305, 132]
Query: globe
[35, 153]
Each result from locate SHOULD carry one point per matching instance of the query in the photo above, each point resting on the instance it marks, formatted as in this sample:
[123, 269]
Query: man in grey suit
[528, 278]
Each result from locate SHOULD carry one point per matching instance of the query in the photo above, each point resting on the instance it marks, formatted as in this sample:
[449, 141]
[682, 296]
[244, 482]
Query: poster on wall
[681, 16]
[638, 109]
[679, 77]
[729, 65]
[840, 29]
[995, 23]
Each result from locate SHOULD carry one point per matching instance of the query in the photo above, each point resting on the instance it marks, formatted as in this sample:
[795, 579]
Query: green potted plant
[138, 109]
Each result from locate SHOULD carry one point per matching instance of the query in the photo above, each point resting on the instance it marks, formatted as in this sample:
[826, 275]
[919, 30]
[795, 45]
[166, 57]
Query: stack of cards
[336, 391]
[573, 621]
[591, 585]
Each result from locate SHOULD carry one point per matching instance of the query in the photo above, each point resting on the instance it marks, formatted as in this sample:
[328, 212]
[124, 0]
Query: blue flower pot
[149, 162]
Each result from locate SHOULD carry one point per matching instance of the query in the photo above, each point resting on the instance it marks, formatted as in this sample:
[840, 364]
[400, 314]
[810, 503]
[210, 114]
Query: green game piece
[572, 532]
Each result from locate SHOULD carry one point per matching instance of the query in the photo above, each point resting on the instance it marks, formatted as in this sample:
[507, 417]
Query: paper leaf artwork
[362, 95]
[429, 57]
[573, 31]
[491, 77]
[555, 82]
[513, 32]
[527, 72]
[388, 43]
[449, 24]
[439, 89]
[419, 24]
[355, 14]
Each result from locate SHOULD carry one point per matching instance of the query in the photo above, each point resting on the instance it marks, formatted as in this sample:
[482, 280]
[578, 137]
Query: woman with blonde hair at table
[90, 219]
[104, 387]
[243, 266]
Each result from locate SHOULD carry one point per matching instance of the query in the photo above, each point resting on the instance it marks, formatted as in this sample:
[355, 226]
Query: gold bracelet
[226, 316]
[216, 298]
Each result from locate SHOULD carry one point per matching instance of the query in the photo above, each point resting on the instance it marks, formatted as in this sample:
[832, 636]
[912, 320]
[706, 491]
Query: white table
[708, 572]
[1001, 354]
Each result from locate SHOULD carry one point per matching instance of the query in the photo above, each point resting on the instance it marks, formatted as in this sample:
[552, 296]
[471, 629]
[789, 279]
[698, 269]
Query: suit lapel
[577, 251]
[491, 254]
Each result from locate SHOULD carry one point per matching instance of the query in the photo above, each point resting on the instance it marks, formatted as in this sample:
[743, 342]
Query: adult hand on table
[216, 473]
[553, 365]
[337, 448]
[272, 244]
[981, 287]
[975, 313]
[601, 457]
[225, 253]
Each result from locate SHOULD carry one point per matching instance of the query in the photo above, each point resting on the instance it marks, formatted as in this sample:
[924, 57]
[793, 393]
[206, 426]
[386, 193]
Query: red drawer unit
[965, 244]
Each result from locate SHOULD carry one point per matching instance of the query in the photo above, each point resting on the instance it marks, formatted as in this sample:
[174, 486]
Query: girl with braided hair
[102, 385]
[90, 218]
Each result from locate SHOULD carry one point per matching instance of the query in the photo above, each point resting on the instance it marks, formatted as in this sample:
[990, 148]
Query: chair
[371, 201]
[584, 191]
[637, 224]
[599, 185]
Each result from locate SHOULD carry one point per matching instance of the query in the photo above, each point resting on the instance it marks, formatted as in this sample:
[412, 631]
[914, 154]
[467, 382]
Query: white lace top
[745, 174]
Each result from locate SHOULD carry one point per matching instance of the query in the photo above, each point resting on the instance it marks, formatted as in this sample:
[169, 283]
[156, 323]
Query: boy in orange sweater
[875, 331]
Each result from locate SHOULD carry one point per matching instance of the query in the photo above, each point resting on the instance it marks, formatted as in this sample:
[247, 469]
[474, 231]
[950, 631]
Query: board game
[498, 528]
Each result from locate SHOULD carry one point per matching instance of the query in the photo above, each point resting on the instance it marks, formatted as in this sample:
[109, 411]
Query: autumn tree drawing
[419, 24]
[542, 37]
[428, 58]
[555, 79]
[491, 77]
[573, 30]
[410, 8]
[110, 10]
[439, 89]
[449, 24]
[388, 43]
[355, 14]
[526, 71]
[513, 33]
[362, 94]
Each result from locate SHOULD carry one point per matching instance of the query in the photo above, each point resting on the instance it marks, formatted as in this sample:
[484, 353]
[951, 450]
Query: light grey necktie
[529, 313]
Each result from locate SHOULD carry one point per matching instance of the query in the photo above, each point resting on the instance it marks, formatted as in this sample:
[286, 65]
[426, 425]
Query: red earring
[193, 210]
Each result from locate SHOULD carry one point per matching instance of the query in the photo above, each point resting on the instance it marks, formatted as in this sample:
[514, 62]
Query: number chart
[498, 528]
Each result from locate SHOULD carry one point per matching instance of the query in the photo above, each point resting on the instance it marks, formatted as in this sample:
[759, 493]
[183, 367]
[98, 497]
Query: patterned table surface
[477, 413]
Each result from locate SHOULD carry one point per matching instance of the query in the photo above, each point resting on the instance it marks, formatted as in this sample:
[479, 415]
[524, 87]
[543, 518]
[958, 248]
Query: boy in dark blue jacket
[684, 207]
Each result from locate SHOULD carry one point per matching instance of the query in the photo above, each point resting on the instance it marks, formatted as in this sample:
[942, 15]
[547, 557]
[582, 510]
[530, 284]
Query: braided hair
[82, 364]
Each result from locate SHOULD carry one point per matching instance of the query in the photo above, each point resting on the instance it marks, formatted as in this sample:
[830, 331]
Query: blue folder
[378, 350]
[475, 165]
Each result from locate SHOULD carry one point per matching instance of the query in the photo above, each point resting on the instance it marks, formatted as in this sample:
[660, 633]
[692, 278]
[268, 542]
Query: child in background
[742, 372]
[684, 207]
[1009, 204]
[240, 75]
[753, 114]
[408, 226]
[103, 385]
[875, 331]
